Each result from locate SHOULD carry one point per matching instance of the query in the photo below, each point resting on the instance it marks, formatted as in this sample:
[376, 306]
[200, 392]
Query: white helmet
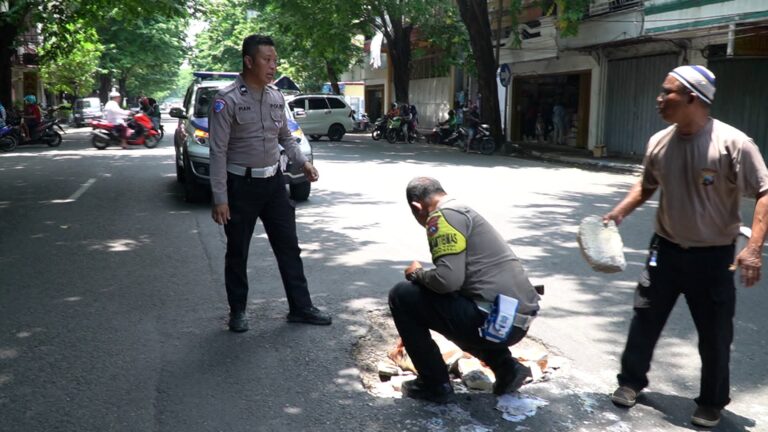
[114, 93]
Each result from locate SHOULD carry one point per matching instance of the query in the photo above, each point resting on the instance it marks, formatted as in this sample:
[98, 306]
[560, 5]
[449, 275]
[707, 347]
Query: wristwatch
[412, 275]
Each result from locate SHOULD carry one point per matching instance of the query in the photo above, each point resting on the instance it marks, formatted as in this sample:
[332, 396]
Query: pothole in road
[384, 365]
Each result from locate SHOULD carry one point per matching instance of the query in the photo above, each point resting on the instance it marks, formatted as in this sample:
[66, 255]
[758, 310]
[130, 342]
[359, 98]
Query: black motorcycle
[448, 136]
[482, 142]
[379, 128]
[45, 133]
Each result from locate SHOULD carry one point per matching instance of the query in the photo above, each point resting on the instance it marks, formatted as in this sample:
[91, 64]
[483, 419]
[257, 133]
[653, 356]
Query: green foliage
[147, 55]
[71, 71]
[218, 46]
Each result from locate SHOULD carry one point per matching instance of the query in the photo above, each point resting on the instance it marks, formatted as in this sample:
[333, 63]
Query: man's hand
[412, 268]
[310, 171]
[613, 215]
[220, 213]
[750, 262]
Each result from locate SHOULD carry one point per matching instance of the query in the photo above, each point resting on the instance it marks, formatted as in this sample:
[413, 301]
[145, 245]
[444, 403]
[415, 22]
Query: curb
[598, 164]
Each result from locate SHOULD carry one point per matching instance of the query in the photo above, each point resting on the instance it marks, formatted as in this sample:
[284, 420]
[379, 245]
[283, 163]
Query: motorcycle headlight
[201, 137]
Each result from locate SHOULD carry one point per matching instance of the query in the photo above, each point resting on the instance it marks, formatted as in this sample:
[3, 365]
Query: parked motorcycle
[482, 142]
[379, 128]
[396, 132]
[45, 133]
[8, 140]
[449, 136]
[140, 132]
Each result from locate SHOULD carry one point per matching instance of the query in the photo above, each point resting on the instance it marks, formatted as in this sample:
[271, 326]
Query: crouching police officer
[474, 268]
[247, 120]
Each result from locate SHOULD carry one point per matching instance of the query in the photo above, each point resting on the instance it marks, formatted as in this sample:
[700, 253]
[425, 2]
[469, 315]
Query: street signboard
[505, 75]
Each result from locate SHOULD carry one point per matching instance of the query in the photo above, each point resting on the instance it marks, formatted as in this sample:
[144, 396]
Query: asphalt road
[113, 311]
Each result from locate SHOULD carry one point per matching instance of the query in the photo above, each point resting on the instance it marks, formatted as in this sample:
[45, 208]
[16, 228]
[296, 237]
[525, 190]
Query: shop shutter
[631, 90]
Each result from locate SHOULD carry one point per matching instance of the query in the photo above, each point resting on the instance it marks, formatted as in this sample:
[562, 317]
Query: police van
[191, 140]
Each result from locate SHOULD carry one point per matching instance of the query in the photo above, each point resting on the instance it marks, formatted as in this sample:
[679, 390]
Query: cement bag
[601, 245]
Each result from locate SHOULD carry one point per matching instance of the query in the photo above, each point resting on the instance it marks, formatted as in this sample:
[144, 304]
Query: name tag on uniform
[500, 320]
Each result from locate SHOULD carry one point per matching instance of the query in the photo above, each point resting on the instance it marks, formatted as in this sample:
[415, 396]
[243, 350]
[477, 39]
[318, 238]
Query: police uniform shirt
[244, 129]
[472, 258]
[702, 178]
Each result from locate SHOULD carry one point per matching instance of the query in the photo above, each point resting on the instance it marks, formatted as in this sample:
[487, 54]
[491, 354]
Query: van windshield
[82, 104]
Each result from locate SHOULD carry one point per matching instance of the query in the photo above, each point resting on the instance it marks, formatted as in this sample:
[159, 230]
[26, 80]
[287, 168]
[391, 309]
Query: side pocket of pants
[643, 290]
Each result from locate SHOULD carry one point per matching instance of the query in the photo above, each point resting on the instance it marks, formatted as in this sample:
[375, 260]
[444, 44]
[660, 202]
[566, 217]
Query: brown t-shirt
[702, 177]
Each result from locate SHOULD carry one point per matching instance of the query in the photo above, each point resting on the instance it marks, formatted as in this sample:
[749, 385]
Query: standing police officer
[247, 120]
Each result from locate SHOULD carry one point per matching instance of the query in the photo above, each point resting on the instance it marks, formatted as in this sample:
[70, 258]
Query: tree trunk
[399, 48]
[475, 17]
[333, 78]
[121, 83]
[8, 35]
[105, 84]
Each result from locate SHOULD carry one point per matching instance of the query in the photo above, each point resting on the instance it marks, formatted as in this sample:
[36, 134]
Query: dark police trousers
[416, 310]
[702, 276]
[265, 198]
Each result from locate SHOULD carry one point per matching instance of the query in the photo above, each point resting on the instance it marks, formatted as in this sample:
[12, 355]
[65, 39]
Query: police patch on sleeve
[219, 105]
[443, 238]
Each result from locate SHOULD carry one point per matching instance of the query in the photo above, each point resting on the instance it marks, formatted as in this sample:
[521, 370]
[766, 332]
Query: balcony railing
[601, 7]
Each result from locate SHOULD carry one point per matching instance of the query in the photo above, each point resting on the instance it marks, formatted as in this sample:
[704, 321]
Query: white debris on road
[516, 407]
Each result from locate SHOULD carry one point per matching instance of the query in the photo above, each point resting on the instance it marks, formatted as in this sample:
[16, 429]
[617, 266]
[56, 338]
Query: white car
[322, 115]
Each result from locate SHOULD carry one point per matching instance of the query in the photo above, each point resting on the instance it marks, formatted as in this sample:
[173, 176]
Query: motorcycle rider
[32, 117]
[448, 126]
[405, 120]
[149, 107]
[393, 111]
[116, 115]
[472, 120]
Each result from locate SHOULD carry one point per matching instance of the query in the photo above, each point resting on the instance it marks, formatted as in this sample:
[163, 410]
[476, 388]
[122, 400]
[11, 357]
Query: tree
[72, 71]
[21, 15]
[143, 56]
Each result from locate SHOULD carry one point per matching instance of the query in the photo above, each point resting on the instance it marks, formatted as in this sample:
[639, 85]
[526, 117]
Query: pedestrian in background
[473, 265]
[702, 166]
[247, 127]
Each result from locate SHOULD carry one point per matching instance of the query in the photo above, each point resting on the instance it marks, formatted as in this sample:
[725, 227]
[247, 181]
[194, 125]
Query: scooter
[379, 128]
[449, 136]
[8, 140]
[396, 133]
[45, 133]
[482, 142]
[140, 130]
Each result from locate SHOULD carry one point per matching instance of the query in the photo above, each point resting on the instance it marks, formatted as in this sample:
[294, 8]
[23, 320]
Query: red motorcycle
[140, 132]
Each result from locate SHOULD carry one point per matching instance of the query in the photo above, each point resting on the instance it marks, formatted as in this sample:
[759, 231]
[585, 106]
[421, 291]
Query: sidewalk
[571, 156]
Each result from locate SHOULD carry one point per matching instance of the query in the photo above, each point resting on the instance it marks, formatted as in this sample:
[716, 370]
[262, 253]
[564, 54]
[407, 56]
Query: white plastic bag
[601, 245]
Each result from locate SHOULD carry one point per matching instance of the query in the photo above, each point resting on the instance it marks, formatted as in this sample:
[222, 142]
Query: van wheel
[336, 132]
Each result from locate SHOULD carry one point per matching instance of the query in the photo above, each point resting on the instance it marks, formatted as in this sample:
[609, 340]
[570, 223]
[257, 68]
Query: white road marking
[78, 193]
[82, 189]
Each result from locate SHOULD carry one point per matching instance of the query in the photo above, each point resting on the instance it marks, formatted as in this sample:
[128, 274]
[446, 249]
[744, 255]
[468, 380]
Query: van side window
[336, 103]
[317, 103]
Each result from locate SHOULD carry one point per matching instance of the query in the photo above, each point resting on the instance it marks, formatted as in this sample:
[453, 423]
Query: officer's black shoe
[238, 322]
[310, 315]
[417, 389]
[510, 379]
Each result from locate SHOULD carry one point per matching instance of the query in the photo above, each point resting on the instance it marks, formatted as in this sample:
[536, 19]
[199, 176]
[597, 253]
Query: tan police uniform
[245, 128]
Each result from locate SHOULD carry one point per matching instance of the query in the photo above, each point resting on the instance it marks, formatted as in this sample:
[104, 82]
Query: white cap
[698, 79]
[114, 93]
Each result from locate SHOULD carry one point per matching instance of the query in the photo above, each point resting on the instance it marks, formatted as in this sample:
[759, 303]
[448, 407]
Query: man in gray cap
[703, 167]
